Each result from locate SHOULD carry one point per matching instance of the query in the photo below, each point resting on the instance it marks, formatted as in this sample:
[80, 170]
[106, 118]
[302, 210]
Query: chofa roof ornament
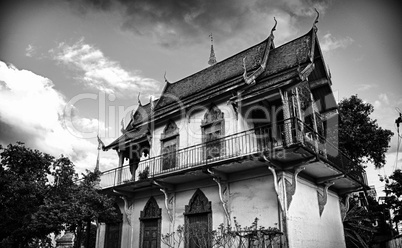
[316, 20]
[251, 79]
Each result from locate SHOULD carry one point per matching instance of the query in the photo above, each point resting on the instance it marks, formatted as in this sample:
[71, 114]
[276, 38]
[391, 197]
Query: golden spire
[212, 58]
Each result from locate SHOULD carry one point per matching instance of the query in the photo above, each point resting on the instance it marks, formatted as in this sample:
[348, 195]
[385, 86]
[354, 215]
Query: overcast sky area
[72, 69]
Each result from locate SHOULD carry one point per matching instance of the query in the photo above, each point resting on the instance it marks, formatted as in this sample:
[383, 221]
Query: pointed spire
[212, 58]
[101, 145]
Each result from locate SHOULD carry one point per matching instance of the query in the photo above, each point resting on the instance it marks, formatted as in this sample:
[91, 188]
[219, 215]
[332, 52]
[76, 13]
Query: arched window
[150, 225]
[213, 126]
[170, 144]
[198, 221]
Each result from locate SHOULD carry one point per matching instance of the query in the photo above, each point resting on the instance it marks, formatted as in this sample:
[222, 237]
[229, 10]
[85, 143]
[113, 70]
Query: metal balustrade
[247, 143]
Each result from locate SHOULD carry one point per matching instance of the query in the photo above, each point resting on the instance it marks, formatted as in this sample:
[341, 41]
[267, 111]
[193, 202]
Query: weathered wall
[251, 196]
[306, 228]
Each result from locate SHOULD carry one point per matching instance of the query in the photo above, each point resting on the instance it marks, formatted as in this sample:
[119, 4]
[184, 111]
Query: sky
[72, 69]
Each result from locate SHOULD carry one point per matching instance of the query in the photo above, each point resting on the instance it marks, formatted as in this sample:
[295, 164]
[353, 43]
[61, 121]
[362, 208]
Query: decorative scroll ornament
[322, 198]
[291, 187]
[139, 101]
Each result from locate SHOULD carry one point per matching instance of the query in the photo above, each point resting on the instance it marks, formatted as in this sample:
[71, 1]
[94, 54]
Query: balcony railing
[247, 143]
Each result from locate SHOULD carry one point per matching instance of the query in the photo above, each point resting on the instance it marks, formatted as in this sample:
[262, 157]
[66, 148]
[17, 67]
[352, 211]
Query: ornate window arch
[198, 221]
[150, 224]
[169, 145]
[213, 129]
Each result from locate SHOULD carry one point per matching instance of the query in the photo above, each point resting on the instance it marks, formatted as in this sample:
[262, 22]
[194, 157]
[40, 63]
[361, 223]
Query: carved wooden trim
[170, 130]
[151, 212]
[198, 204]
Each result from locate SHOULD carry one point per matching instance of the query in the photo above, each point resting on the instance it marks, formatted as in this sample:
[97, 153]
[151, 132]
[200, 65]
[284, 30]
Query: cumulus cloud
[32, 112]
[172, 23]
[330, 43]
[97, 71]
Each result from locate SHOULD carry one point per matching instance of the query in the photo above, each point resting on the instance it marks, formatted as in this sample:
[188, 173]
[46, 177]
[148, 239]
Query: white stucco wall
[306, 228]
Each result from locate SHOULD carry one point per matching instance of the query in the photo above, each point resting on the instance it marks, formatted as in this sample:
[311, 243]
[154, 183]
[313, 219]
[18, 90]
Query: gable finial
[166, 81]
[139, 101]
[274, 28]
[316, 19]
[212, 58]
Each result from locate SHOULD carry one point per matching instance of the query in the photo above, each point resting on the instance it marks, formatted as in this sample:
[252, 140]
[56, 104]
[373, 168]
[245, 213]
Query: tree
[40, 195]
[393, 189]
[360, 137]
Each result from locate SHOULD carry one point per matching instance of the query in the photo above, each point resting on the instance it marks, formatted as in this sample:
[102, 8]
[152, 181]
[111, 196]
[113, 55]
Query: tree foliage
[40, 195]
[394, 192]
[360, 137]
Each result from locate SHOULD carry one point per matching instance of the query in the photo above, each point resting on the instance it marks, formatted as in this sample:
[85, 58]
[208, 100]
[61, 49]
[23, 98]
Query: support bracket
[291, 187]
[322, 198]
[221, 180]
[344, 206]
[169, 197]
[127, 209]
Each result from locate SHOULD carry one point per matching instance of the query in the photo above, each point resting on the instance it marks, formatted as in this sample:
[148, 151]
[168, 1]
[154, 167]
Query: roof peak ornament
[316, 20]
[212, 57]
[166, 81]
[139, 101]
[274, 27]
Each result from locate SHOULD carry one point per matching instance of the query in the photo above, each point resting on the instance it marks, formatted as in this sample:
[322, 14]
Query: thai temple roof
[295, 55]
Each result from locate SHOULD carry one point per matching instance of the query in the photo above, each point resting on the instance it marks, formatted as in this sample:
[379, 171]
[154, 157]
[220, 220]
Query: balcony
[286, 143]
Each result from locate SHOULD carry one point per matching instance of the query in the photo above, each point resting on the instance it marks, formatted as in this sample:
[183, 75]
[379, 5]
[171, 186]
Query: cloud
[364, 87]
[330, 43]
[384, 98]
[30, 50]
[32, 112]
[97, 71]
[173, 23]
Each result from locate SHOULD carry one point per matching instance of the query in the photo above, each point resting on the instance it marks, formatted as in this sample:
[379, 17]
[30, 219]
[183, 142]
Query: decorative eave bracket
[344, 206]
[221, 180]
[291, 187]
[169, 197]
[276, 187]
[251, 79]
[127, 209]
[323, 197]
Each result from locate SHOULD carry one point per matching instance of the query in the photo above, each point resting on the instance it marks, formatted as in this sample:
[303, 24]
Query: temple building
[248, 139]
